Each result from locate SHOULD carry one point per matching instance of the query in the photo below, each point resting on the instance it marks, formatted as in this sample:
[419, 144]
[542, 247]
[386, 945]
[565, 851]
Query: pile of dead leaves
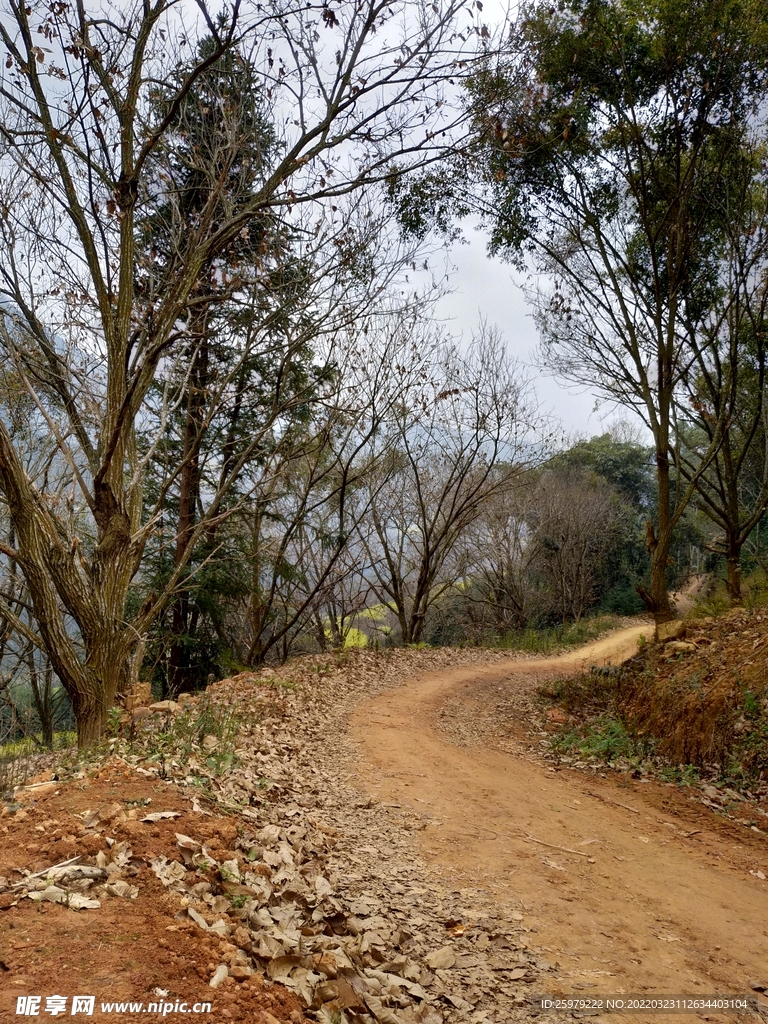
[321, 892]
[366, 953]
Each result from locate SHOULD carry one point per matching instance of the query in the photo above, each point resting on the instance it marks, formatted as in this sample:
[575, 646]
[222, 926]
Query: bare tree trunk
[92, 699]
[656, 596]
[95, 592]
[659, 552]
[178, 665]
[735, 531]
[733, 563]
[41, 694]
[322, 639]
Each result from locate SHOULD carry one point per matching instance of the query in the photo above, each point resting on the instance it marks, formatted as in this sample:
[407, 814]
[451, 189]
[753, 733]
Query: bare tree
[577, 521]
[727, 384]
[86, 329]
[307, 496]
[503, 549]
[449, 443]
[539, 550]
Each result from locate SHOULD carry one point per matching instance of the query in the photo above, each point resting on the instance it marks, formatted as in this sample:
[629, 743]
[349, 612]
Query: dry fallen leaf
[51, 894]
[168, 872]
[219, 975]
[441, 958]
[122, 889]
[78, 901]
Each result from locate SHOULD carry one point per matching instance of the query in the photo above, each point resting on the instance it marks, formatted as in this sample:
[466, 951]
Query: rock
[41, 791]
[138, 696]
[242, 938]
[556, 715]
[670, 630]
[326, 964]
[165, 705]
[758, 986]
[219, 976]
[442, 958]
[681, 646]
[240, 973]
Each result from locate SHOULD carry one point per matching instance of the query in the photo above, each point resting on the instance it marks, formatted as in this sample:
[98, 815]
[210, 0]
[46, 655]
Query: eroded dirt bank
[630, 886]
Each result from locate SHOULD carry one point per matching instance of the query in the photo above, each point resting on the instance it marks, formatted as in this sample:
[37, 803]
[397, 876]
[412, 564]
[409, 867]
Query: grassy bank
[550, 640]
[695, 707]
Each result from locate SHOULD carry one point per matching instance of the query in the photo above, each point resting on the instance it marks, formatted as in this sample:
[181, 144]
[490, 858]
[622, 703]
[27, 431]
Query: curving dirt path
[632, 887]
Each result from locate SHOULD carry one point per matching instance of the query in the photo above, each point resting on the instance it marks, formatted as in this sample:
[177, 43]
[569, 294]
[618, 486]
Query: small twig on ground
[563, 849]
[607, 800]
[38, 874]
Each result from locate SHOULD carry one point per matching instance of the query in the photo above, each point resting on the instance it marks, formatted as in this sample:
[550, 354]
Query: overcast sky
[484, 287]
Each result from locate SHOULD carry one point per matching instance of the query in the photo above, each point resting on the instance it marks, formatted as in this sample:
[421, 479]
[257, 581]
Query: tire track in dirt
[626, 893]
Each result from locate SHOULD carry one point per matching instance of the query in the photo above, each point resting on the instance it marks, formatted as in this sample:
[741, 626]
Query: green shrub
[547, 639]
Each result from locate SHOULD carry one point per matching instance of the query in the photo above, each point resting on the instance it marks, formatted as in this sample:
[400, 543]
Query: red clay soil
[128, 948]
[629, 886]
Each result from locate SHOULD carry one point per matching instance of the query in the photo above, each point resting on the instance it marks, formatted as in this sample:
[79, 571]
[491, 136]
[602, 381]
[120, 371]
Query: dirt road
[631, 886]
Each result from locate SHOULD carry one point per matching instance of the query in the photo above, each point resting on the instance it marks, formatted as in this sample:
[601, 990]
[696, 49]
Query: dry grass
[706, 707]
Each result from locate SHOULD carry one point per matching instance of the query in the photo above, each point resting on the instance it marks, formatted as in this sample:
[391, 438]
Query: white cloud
[483, 287]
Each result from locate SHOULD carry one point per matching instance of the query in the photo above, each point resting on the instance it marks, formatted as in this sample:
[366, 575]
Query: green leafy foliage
[604, 738]
[237, 367]
[567, 634]
[617, 148]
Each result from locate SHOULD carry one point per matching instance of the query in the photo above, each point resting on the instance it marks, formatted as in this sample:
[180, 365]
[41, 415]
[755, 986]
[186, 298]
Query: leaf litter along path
[628, 887]
[342, 914]
[335, 917]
